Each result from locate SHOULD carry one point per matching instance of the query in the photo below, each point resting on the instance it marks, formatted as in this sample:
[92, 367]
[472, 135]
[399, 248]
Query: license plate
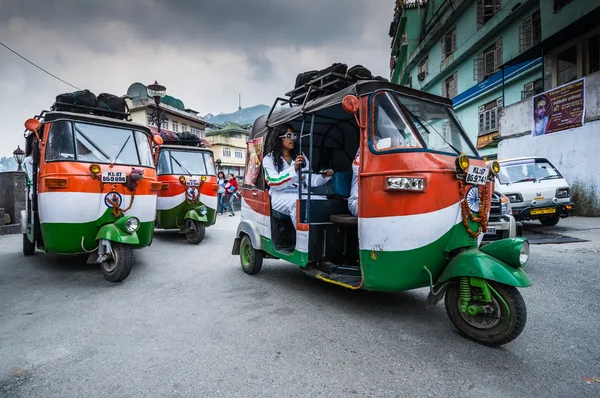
[192, 183]
[547, 210]
[115, 177]
[477, 175]
[491, 230]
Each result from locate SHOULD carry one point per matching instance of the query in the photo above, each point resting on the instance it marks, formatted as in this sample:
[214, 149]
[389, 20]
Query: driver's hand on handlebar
[327, 173]
[300, 162]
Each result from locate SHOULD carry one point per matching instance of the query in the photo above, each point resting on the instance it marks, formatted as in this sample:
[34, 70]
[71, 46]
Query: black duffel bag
[82, 98]
[305, 77]
[359, 72]
[189, 138]
[111, 103]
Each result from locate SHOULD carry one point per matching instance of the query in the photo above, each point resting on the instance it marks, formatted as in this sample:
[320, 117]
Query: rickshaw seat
[345, 220]
[342, 182]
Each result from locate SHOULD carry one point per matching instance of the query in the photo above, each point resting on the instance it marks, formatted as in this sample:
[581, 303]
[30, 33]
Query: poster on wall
[559, 109]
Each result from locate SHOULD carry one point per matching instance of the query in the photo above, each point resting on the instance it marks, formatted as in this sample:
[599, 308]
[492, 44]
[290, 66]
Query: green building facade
[488, 54]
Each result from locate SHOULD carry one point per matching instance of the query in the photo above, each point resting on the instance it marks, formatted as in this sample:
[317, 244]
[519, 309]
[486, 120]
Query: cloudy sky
[204, 51]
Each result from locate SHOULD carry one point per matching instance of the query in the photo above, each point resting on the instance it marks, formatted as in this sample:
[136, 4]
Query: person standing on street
[231, 188]
[221, 192]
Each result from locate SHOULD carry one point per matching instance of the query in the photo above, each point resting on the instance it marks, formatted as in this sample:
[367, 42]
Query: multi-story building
[488, 54]
[228, 143]
[177, 118]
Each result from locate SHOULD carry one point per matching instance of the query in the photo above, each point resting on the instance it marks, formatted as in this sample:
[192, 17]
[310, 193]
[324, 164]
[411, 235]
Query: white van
[535, 188]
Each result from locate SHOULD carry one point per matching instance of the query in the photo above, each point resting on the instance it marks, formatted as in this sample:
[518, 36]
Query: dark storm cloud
[241, 25]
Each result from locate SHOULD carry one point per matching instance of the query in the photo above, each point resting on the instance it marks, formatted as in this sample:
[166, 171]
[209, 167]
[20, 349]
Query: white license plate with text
[115, 177]
[491, 230]
[193, 183]
[477, 175]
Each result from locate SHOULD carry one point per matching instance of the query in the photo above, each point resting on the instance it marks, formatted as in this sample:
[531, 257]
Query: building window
[531, 89]
[558, 4]
[423, 69]
[450, 86]
[448, 44]
[184, 127]
[593, 54]
[175, 126]
[488, 117]
[530, 33]
[567, 66]
[226, 152]
[149, 121]
[488, 62]
[486, 9]
[165, 124]
[239, 154]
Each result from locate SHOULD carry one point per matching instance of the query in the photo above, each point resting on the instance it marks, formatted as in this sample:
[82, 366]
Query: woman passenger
[281, 165]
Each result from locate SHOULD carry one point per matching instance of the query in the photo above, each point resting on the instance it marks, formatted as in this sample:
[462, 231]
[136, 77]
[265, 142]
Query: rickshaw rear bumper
[477, 263]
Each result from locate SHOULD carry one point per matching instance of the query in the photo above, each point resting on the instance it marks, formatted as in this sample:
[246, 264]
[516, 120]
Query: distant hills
[242, 116]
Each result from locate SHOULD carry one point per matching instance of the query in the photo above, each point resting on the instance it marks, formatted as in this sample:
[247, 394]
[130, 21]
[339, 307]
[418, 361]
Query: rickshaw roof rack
[186, 143]
[321, 84]
[174, 145]
[74, 108]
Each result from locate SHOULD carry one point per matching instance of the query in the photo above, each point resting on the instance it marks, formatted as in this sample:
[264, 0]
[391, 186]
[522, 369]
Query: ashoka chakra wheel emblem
[472, 199]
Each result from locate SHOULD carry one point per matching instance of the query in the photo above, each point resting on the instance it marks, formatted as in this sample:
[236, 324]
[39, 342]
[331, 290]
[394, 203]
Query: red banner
[559, 109]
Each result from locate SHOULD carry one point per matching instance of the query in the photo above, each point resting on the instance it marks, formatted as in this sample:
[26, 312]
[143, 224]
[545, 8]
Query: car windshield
[527, 170]
[98, 144]
[437, 126]
[186, 163]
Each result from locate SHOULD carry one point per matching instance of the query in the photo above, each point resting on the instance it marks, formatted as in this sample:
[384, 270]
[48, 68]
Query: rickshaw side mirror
[351, 104]
[158, 140]
[34, 125]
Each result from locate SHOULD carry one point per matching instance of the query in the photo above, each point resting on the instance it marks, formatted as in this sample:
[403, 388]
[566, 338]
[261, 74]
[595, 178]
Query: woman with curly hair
[281, 165]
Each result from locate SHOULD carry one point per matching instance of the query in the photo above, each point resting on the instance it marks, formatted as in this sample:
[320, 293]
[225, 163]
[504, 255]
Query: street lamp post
[19, 156]
[157, 92]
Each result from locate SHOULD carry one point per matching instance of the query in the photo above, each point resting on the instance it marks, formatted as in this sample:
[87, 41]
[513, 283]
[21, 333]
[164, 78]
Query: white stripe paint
[209, 201]
[262, 222]
[81, 207]
[401, 233]
[170, 202]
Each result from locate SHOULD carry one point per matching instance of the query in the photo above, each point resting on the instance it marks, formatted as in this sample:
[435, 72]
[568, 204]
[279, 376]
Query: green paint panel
[115, 234]
[297, 257]
[65, 238]
[173, 218]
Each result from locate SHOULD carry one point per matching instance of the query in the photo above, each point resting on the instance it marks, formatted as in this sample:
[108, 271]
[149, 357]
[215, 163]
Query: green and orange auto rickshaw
[423, 205]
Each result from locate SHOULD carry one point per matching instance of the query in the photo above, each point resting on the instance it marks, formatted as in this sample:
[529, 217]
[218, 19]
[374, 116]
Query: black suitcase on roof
[82, 98]
[111, 103]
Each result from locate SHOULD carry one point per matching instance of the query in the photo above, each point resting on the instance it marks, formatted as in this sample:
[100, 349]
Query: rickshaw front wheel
[496, 326]
[195, 231]
[119, 266]
[250, 258]
[28, 246]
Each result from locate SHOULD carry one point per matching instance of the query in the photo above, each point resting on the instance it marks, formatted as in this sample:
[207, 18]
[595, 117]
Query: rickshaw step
[350, 281]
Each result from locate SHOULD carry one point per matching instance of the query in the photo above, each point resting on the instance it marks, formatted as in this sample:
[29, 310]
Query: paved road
[188, 322]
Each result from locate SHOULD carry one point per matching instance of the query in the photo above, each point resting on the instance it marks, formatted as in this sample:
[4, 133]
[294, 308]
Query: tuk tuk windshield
[185, 163]
[98, 144]
[435, 123]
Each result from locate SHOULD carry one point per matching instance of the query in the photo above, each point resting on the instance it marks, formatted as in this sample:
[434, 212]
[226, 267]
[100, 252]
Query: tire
[28, 246]
[499, 331]
[550, 221]
[119, 268]
[195, 231]
[250, 258]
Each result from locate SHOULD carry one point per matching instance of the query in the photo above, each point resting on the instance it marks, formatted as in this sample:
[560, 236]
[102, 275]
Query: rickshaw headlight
[132, 224]
[182, 179]
[95, 169]
[495, 167]
[203, 178]
[203, 210]
[463, 162]
[406, 183]
[524, 254]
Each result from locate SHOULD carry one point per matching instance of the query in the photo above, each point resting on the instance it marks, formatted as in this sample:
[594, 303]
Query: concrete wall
[12, 194]
[574, 152]
[554, 22]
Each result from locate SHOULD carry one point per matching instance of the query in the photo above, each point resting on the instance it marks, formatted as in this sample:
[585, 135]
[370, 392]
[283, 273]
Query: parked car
[535, 188]
[501, 223]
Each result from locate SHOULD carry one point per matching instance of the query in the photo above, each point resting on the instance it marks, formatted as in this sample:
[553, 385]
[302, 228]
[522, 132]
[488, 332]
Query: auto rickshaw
[423, 205]
[188, 196]
[93, 187]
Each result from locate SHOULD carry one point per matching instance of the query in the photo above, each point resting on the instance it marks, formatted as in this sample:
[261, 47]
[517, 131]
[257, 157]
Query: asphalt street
[188, 322]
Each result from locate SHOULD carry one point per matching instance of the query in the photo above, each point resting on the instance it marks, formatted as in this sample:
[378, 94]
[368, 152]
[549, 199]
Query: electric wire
[39, 67]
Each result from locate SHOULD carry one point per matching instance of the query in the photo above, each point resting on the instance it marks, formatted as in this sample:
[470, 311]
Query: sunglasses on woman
[288, 136]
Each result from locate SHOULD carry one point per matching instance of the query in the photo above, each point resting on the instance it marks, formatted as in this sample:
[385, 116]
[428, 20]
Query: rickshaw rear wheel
[493, 329]
[28, 246]
[250, 258]
[119, 267]
[195, 231]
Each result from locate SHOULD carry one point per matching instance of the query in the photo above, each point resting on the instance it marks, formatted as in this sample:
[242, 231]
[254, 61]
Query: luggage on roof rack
[84, 101]
[185, 138]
